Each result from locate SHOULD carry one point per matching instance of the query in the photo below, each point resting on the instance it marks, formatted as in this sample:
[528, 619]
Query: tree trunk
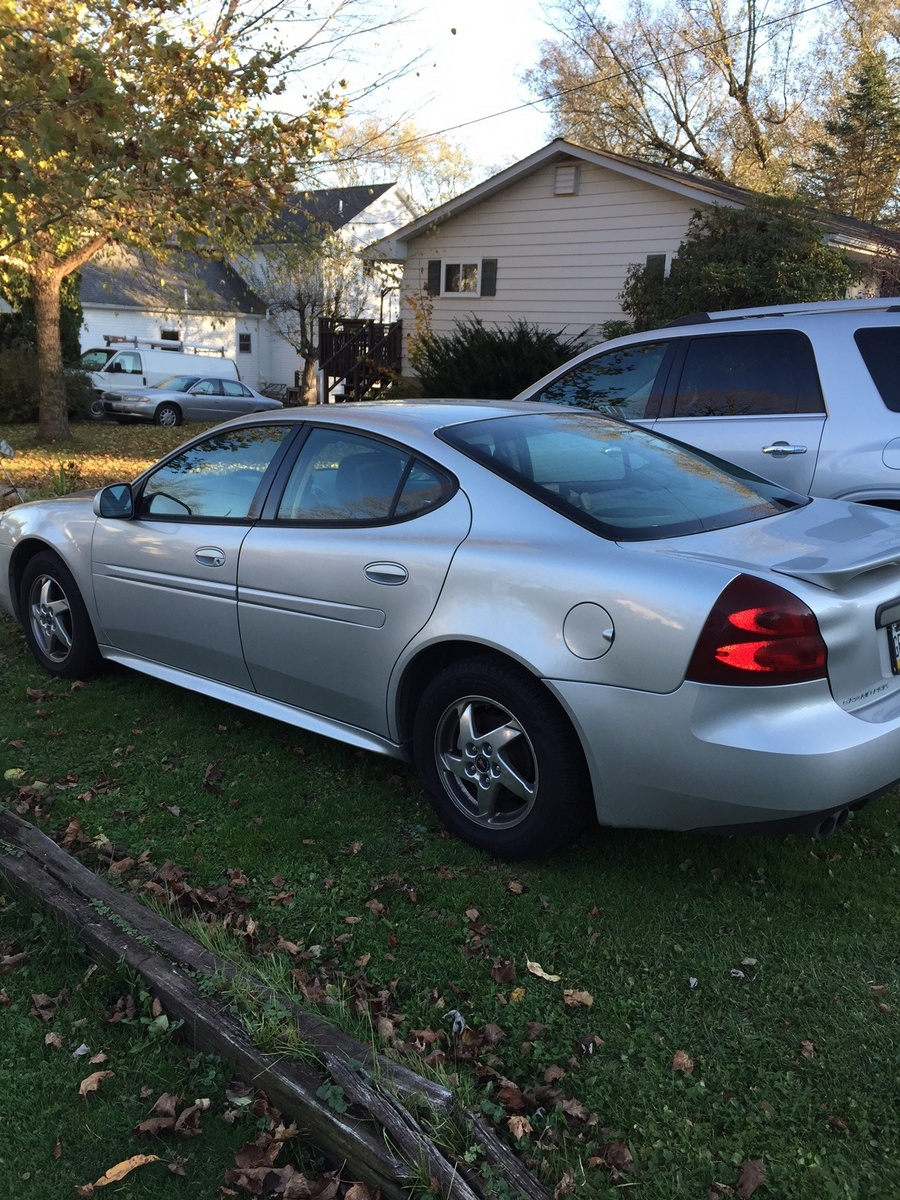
[45, 288]
[309, 384]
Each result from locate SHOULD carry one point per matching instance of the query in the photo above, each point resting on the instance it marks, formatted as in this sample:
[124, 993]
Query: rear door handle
[386, 572]
[783, 449]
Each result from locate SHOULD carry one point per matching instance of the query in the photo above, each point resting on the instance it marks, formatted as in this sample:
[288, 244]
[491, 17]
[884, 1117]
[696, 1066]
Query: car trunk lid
[850, 555]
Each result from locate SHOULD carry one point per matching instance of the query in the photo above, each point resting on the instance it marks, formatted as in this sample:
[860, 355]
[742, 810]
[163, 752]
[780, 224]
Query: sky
[465, 77]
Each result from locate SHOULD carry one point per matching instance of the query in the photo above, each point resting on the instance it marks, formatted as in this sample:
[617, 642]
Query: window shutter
[489, 277]
[656, 266]
[434, 277]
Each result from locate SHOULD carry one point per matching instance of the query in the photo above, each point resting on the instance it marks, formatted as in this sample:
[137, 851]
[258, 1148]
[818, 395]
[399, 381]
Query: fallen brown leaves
[256, 1170]
[45, 1007]
[165, 1118]
[683, 1063]
[90, 1085]
[117, 1173]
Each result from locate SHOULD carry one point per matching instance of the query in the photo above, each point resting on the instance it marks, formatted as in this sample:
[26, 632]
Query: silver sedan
[185, 398]
[552, 612]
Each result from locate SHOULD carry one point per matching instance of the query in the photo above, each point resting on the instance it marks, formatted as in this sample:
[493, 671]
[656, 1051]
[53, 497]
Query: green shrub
[488, 364]
[769, 252]
[19, 387]
[79, 393]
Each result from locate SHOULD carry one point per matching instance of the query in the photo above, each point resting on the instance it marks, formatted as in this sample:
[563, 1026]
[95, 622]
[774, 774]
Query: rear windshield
[624, 482]
[880, 348]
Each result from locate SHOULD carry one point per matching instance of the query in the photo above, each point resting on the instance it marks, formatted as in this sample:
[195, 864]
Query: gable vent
[566, 180]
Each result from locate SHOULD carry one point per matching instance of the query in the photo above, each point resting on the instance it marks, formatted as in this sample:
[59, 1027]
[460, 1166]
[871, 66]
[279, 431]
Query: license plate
[893, 633]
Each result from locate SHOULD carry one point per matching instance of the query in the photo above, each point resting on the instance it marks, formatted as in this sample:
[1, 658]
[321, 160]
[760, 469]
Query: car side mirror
[115, 501]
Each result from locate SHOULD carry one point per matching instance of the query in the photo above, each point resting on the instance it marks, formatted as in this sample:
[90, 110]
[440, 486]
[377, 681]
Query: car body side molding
[253, 702]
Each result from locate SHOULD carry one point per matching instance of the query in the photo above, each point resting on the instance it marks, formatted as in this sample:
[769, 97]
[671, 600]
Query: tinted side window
[424, 488]
[216, 478]
[880, 349]
[748, 374]
[347, 478]
[617, 383]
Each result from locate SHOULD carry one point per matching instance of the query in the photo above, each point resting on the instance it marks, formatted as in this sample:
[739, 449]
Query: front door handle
[783, 449]
[210, 556]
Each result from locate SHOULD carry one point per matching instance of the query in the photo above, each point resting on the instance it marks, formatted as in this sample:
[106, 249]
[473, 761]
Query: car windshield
[93, 360]
[622, 481]
[177, 383]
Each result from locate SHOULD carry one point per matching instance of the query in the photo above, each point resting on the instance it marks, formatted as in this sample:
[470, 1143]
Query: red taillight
[758, 633]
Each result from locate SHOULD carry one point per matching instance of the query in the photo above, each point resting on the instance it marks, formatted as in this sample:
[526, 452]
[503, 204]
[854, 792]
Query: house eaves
[700, 191]
[693, 188]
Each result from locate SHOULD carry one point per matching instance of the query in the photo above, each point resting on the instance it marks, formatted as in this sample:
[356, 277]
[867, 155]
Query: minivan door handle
[783, 449]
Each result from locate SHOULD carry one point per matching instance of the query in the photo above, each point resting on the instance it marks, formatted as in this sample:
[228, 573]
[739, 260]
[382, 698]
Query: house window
[170, 335]
[245, 343]
[461, 277]
[447, 278]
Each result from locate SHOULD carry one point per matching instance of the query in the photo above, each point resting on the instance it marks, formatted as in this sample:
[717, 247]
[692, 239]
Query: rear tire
[499, 760]
[168, 415]
[57, 626]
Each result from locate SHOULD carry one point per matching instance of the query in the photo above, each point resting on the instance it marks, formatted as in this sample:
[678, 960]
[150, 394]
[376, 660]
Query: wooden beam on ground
[383, 1145]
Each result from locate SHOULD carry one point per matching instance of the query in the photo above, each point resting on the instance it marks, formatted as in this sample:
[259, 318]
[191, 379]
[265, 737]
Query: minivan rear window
[880, 348]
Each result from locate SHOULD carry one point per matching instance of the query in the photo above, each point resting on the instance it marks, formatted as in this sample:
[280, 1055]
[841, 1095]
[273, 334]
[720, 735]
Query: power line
[655, 62]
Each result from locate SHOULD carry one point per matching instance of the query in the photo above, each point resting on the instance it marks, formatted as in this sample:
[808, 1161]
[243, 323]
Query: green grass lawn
[772, 965]
[97, 453]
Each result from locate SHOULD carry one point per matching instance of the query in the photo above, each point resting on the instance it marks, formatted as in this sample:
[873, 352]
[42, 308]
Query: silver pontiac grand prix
[550, 611]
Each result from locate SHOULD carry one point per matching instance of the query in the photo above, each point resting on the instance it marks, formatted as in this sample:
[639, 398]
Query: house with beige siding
[550, 239]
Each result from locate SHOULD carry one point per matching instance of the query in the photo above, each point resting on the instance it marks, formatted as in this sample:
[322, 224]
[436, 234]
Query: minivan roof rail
[121, 339]
[866, 304]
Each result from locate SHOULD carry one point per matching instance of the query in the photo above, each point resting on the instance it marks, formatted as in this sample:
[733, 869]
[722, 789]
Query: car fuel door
[346, 572]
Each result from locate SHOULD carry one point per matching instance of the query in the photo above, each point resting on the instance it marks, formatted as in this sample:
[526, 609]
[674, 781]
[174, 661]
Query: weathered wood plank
[291, 1085]
[404, 1131]
[185, 950]
[388, 1149]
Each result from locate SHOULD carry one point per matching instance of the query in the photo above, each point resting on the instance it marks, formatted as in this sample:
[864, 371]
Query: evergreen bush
[19, 386]
[488, 364]
[770, 252]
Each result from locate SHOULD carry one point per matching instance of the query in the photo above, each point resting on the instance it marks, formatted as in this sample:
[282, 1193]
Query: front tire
[168, 415]
[499, 760]
[57, 626]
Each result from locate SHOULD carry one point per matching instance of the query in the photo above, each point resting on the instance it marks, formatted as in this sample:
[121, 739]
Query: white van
[138, 368]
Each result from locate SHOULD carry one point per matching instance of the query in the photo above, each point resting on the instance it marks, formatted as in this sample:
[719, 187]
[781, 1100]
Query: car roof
[395, 416]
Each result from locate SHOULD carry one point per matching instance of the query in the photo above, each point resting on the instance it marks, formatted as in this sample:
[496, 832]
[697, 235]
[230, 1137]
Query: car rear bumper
[728, 759]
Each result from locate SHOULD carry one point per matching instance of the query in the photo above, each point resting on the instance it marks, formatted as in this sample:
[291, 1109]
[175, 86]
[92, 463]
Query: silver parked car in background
[552, 612]
[805, 394]
[185, 398]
